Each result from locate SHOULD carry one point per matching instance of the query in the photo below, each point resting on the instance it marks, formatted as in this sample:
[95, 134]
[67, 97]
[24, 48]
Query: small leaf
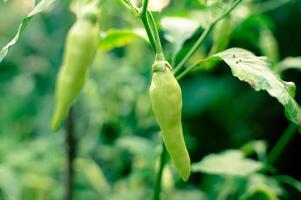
[231, 162]
[42, 6]
[118, 38]
[289, 63]
[178, 30]
[257, 72]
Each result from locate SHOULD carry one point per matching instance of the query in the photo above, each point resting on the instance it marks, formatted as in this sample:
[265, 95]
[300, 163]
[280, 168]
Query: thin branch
[203, 36]
[144, 7]
[144, 19]
[158, 181]
[186, 71]
[70, 150]
[132, 7]
[286, 137]
[148, 31]
[158, 45]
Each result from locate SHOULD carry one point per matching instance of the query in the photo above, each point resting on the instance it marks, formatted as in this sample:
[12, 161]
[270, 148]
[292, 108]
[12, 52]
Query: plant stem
[152, 30]
[144, 19]
[158, 45]
[144, 6]
[286, 137]
[132, 7]
[203, 36]
[186, 71]
[158, 181]
[149, 25]
[70, 150]
[148, 30]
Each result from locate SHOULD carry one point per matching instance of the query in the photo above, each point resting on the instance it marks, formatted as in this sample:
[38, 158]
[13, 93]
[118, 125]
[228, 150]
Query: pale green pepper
[166, 100]
[80, 48]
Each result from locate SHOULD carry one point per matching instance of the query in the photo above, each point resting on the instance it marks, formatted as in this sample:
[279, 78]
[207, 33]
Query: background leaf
[256, 71]
[176, 34]
[9, 184]
[42, 6]
[231, 162]
[117, 38]
[289, 63]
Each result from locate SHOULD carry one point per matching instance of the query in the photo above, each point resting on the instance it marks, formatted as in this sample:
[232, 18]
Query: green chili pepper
[80, 48]
[166, 100]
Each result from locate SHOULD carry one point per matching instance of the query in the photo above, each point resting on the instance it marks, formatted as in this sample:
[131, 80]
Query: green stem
[203, 36]
[144, 6]
[158, 45]
[132, 7]
[158, 181]
[286, 137]
[186, 71]
[148, 31]
[193, 49]
[71, 151]
[148, 28]
[149, 25]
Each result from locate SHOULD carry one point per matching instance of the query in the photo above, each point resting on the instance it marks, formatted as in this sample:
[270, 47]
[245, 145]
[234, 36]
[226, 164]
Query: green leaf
[262, 187]
[231, 162]
[257, 146]
[178, 34]
[289, 181]
[207, 3]
[9, 183]
[289, 63]
[186, 194]
[118, 38]
[42, 6]
[38, 181]
[94, 175]
[268, 45]
[138, 146]
[257, 72]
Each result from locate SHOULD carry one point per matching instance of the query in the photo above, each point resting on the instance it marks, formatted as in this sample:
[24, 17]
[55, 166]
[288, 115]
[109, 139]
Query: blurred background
[117, 142]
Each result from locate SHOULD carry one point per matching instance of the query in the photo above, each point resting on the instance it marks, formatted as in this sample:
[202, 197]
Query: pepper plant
[207, 34]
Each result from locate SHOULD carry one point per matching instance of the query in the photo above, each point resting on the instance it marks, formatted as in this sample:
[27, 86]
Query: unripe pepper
[80, 48]
[166, 100]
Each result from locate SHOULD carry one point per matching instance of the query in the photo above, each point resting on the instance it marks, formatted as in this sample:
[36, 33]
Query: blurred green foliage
[117, 137]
